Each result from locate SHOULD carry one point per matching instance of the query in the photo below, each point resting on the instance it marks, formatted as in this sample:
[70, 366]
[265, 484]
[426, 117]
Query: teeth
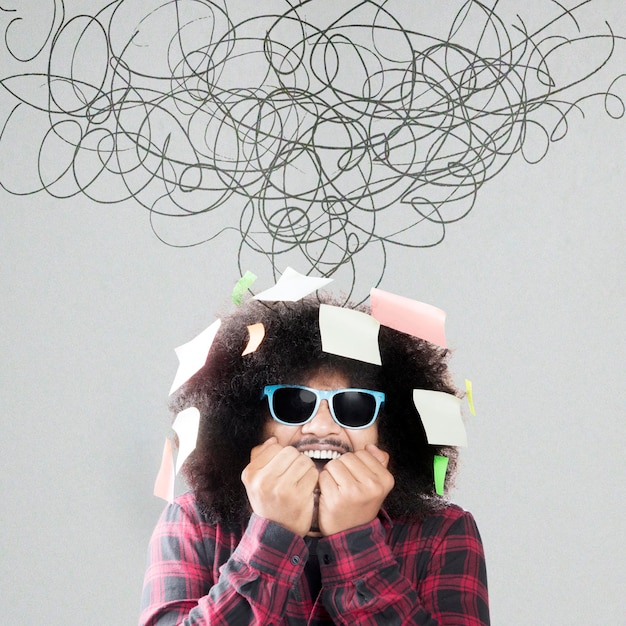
[322, 455]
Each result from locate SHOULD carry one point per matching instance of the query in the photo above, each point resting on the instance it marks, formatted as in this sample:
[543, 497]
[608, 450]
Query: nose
[322, 423]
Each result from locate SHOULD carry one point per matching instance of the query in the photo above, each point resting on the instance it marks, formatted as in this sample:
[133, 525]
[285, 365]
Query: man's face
[322, 439]
[322, 435]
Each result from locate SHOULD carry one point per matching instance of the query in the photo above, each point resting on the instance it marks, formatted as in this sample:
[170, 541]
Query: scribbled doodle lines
[319, 136]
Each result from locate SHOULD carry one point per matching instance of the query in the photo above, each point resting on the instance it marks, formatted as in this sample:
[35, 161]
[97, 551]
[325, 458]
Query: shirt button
[295, 560]
[326, 559]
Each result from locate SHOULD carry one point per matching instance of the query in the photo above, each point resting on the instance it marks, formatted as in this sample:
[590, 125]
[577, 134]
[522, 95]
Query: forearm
[366, 583]
[252, 586]
[380, 597]
[363, 583]
[257, 579]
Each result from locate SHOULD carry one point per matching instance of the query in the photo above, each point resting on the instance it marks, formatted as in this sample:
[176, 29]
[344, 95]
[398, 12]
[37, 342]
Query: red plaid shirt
[384, 572]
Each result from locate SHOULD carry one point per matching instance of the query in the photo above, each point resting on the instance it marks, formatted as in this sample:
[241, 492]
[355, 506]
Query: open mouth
[322, 455]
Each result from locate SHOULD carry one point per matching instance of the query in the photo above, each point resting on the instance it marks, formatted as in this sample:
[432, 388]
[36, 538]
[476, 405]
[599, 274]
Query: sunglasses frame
[323, 394]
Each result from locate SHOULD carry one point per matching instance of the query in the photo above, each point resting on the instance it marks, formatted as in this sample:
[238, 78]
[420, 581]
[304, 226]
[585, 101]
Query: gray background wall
[533, 284]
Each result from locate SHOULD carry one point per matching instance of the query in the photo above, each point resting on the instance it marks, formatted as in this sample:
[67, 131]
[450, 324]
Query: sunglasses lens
[293, 405]
[354, 409]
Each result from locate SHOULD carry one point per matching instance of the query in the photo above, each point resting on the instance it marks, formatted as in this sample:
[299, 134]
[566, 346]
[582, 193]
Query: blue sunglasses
[295, 405]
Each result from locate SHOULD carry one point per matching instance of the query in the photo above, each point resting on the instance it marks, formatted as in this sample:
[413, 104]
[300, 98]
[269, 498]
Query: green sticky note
[440, 467]
[242, 285]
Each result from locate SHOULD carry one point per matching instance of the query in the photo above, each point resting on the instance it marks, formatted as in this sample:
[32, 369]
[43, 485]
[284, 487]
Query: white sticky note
[349, 333]
[164, 483]
[192, 355]
[441, 417]
[293, 286]
[186, 426]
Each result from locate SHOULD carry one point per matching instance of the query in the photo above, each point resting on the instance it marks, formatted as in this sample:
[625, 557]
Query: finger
[301, 466]
[360, 467]
[257, 450]
[285, 460]
[340, 469]
[380, 455]
[308, 481]
[376, 472]
[273, 458]
[327, 482]
[375, 463]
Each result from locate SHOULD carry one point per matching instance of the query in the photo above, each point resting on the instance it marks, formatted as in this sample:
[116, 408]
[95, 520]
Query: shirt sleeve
[447, 585]
[252, 586]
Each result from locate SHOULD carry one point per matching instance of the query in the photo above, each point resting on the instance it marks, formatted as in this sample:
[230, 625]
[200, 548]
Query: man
[312, 498]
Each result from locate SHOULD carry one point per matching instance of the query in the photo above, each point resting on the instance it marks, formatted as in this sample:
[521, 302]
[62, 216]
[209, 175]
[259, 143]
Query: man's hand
[353, 488]
[280, 482]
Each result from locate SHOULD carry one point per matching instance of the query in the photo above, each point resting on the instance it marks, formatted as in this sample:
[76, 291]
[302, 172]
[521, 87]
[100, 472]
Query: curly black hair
[228, 393]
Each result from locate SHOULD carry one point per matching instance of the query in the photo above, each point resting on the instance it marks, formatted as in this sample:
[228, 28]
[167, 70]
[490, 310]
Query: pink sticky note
[409, 316]
[164, 483]
[257, 333]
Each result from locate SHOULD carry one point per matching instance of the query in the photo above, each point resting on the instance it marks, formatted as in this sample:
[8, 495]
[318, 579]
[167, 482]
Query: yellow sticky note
[470, 396]
[257, 334]
[186, 427]
[349, 333]
[193, 354]
[409, 316]
[164, 483]
[441, 416]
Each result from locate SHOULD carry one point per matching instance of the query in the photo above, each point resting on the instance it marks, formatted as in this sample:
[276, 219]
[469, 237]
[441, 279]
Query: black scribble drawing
[323, 132]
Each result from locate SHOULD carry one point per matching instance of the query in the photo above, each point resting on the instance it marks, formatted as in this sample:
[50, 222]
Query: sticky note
[186, 427]
[470, 396]
[409, 316]
[164, 483]
[441, 416]
[257, 334]
[440, 467]
[292, 286]
[193, 354]
[349, 333]
[241, 286]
